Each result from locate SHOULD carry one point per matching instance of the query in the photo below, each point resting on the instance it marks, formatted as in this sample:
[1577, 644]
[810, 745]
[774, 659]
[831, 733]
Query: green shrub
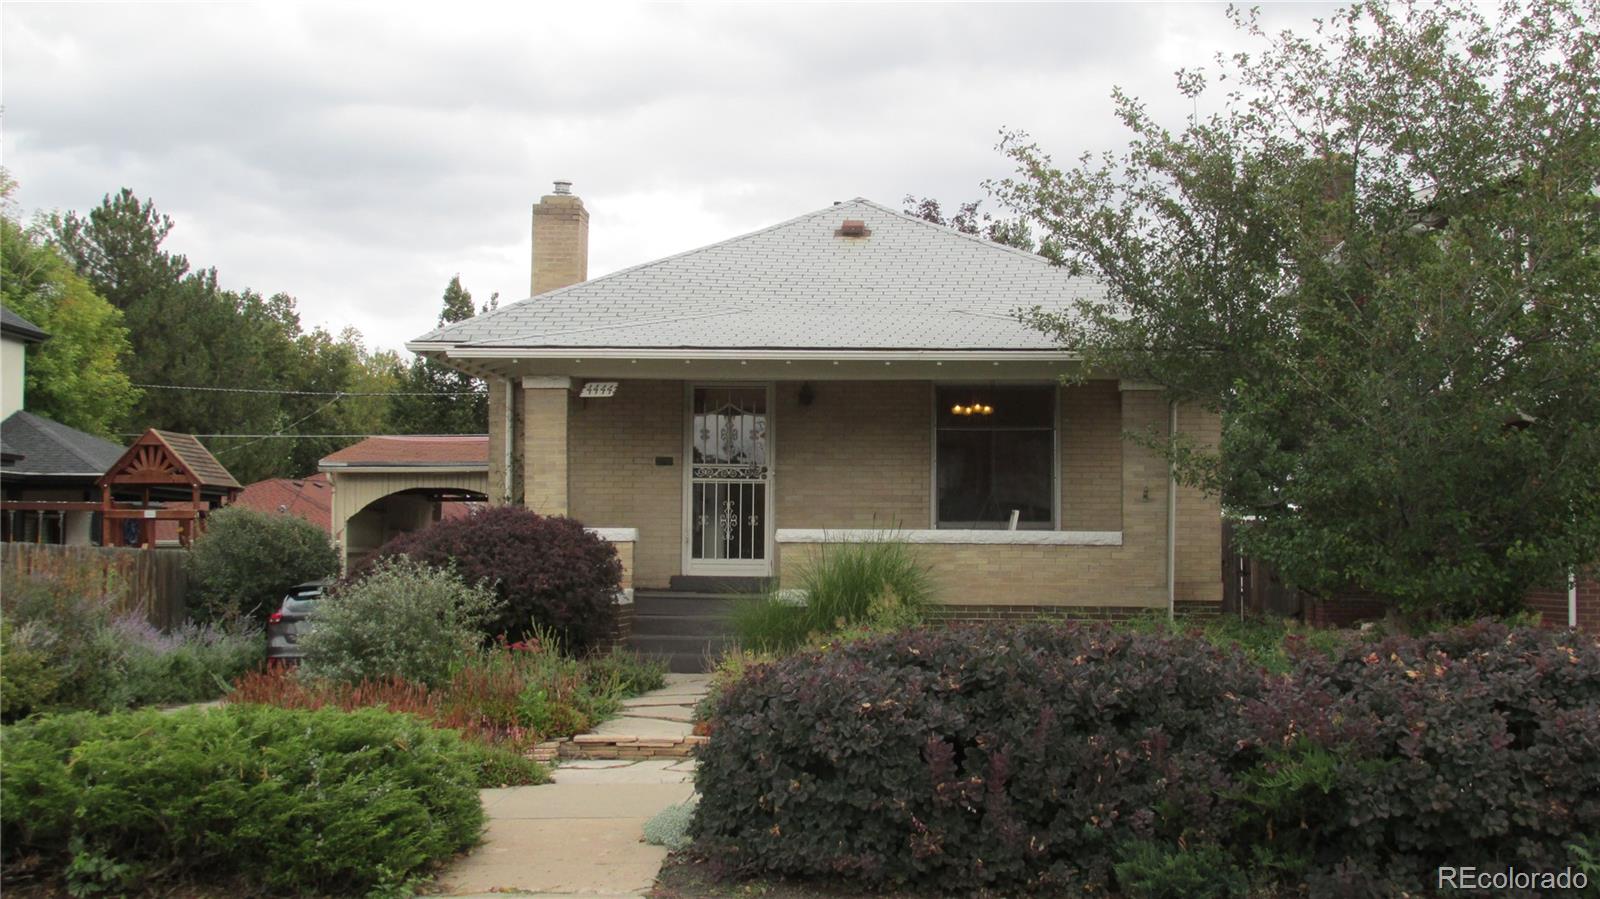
[498, 767]
[246, 561]
[62, 649]
[402, 619]
[878, 583]
[624, 672]
[1153, 871]
[1073, 757]
[550, 573]
[972, 758]
[326, 801]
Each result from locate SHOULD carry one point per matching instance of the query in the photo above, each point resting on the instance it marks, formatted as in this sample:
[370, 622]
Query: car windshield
[301, 602]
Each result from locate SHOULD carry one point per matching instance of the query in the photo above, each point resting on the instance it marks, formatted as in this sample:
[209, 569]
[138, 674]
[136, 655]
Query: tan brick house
[722, 412]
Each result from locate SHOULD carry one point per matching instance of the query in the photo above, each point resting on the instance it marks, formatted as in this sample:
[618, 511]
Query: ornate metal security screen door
[730, 481]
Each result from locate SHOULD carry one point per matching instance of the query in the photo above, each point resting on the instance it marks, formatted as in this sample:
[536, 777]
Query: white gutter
[1572, 598]
[454, 351]
[1172, 513]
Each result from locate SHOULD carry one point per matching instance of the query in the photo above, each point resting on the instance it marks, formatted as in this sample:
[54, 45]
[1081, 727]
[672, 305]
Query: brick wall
[613, 478]
[1551, 604]
[1128, 577]
[544, 449]
[499, 396]
[1199, 556]
[1091, 457]
[857, 457]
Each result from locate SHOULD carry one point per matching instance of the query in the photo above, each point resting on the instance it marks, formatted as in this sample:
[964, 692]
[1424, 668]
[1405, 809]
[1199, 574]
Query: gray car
[292, 620]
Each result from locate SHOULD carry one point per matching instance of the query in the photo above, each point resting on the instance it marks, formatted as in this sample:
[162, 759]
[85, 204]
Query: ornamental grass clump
[877, 583]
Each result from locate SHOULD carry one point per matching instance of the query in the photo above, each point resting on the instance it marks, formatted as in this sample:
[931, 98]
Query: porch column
[544, 447]
[499, 440]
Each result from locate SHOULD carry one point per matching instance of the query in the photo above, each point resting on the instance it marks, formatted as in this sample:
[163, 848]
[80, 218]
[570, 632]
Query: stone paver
[583, 833]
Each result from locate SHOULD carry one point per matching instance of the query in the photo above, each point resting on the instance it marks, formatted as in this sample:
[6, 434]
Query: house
[16, 333]
[309, 499]
[48, 471]
[391, 484]
[47, 480]
[724, 412]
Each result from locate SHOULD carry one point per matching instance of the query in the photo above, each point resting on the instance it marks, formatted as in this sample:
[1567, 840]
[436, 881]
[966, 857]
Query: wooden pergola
[163, 476]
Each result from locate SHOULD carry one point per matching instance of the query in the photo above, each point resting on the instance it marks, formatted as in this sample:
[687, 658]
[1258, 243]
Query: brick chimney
[560, 240]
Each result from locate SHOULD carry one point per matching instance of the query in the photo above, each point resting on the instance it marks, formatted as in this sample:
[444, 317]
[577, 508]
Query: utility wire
[332, 393]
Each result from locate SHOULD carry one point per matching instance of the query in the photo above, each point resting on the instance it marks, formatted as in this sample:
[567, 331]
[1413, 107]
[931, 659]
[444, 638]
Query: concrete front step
[707, 605]
[681, 626]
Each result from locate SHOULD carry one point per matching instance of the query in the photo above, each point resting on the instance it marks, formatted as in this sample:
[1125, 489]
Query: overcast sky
[356, 156]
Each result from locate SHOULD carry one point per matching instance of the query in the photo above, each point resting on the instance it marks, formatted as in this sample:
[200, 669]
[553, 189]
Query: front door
[728, 495]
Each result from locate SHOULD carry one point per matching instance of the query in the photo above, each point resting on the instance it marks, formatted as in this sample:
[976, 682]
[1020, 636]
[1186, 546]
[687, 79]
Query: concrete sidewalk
[584, 833]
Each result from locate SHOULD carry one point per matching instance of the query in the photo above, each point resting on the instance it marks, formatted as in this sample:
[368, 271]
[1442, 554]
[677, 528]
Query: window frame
[1055, 452]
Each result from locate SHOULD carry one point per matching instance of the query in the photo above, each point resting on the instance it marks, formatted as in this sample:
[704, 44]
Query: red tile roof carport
[413, 450]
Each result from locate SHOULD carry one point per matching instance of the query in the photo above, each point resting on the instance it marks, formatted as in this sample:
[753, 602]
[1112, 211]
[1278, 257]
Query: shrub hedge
[1078, 758]
[549, 572]
[246, 560]
[403, 618]
[289, 801]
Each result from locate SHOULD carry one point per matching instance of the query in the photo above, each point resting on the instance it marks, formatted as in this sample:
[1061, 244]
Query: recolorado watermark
[1467, 877]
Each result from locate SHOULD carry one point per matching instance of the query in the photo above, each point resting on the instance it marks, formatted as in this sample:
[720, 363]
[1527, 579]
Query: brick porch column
[544, 446]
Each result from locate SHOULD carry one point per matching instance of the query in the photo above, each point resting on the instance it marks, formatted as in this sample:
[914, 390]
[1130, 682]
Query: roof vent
[852, 228]
[563, 188]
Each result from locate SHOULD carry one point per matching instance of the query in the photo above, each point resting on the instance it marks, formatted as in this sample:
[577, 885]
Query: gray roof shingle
[16, 325]
[50, 448]
[908, 285]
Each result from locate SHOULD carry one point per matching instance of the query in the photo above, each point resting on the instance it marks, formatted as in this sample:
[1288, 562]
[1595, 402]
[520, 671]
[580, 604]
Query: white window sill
[616, 535]
[968, 537]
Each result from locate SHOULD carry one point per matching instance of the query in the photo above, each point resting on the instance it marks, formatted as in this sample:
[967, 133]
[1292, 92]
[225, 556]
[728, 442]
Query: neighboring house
[389, 485]
[725, 412]
[47, 470]
[47, 480]
[309, 498]
[16, 333]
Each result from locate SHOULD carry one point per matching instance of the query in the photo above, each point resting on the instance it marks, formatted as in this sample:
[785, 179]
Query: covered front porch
[1020, 492]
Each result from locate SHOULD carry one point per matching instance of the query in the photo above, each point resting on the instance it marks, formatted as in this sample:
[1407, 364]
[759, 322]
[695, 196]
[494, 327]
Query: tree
[1013, 232]
[75, 377]
[437, 399]
[246, 560]
[229, 362]
[1378, 259]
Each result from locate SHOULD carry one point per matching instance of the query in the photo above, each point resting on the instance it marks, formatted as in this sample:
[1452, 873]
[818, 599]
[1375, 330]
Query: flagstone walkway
[583, 833]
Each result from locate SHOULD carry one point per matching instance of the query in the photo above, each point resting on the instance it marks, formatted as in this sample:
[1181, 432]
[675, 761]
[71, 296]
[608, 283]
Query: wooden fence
[1252, 585]
[152, 582]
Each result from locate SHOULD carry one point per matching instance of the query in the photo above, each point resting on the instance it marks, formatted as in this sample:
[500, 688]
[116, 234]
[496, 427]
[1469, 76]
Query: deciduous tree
[1377, 257]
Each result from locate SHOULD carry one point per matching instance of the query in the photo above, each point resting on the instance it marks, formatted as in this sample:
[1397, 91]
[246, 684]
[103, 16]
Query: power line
[332, 393]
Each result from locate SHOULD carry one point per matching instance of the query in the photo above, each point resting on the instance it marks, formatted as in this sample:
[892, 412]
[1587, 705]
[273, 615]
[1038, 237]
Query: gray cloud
[358, 155]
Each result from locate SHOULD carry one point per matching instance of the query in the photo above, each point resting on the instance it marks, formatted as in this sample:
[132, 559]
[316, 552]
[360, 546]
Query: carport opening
[402, 512]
